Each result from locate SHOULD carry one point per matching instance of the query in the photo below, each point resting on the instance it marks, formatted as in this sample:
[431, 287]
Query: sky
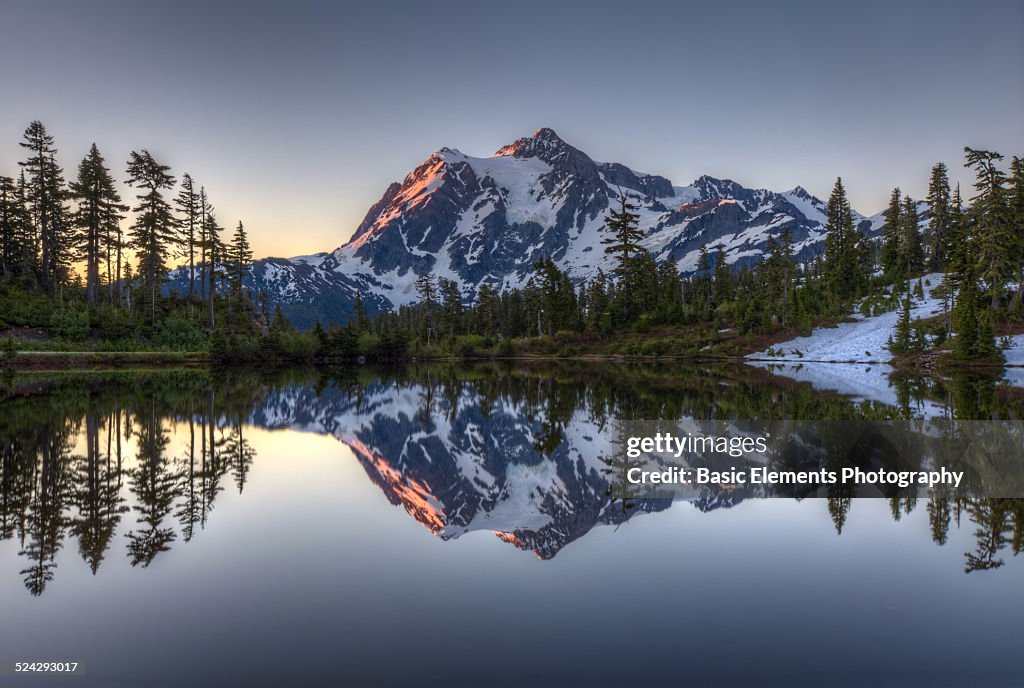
[297, 115]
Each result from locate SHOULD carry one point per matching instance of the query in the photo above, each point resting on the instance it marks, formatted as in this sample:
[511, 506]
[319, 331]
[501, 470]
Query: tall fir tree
[622, 242]
[8, 230]
[938, 237]
[911, 249]
[240, 259]
[15, 234]
[112, 237]
[723, 276]
[214, 248]
[959, 235]
[189, 218]
[426, 290]
[46, 193]
[892, 234]
[362, 321]
[451, 307]
[153, 234]
[98, 206]
[1016, 215]
[965, 318]
[843, 275]
[991, 230]
[205, 209]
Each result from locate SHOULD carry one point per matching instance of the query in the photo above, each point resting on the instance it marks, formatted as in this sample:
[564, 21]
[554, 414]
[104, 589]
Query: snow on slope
[1015, 354]
[1015, 361]
[863, 340]
[852, 358]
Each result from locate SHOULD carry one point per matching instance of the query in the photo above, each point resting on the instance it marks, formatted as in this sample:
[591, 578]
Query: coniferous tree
[204, 209]
[8, 231]
[992, 233]
[362, 321]
[985, 346]
[30, 260]
[99, 211]
[190, 220]
[702, 281]
[240, 258]
[152, 234]
[723, 276]
[488, 305]
[451, 307]
[427, 292]
[669, 291]
[892, 235]
[113, 213]
[912, 252]
[45, 194]
[965, 319]
[623, 243]
[15, 234]
[901, 342]
[842, 263]
[1016, 216]
[214, 249]
[938, 238]
[957, 252]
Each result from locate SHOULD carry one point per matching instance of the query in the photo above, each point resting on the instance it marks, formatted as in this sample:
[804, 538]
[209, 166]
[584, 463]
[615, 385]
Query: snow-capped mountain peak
[487, 220]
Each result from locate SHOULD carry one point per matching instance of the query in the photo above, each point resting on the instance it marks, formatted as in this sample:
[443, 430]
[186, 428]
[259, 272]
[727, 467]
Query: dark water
[453, 526]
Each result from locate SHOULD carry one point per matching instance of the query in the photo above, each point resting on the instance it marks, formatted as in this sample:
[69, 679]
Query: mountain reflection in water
[132, 464]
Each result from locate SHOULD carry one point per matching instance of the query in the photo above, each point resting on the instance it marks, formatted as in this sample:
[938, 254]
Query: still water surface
[453, 526]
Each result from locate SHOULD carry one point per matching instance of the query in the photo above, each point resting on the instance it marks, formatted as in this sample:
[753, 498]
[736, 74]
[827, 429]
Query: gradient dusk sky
[296, 115]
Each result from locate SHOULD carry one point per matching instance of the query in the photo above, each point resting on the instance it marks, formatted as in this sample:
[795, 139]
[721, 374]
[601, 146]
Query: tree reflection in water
[147, 455]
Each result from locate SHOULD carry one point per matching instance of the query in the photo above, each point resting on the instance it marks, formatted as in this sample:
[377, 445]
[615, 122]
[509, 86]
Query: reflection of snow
[859, 381]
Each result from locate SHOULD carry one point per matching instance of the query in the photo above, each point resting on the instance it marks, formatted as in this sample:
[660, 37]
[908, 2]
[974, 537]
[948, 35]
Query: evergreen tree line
[67, 241]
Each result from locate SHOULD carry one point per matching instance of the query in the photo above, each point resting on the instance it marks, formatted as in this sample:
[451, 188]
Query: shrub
[367, 344]
[70, 324]
[296, 346]
[468, 344]
[179, 334]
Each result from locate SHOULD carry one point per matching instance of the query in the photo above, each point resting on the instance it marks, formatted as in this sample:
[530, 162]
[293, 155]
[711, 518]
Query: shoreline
[87, 360]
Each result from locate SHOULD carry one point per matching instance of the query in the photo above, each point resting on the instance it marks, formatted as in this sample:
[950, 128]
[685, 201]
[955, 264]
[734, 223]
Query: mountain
[460, 461]
[462, 457]
[488, 220]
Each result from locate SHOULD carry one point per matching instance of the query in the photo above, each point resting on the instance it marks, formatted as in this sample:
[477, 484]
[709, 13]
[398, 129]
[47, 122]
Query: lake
[454, 525]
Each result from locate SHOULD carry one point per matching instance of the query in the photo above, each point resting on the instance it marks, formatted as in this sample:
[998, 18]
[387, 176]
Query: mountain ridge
[478, 221]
